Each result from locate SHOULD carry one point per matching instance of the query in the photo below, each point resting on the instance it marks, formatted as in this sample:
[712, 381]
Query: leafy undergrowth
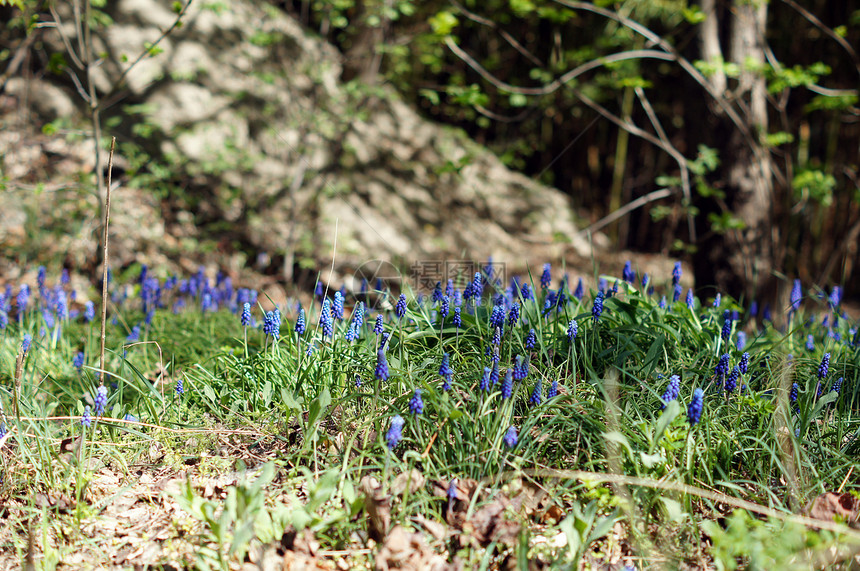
[491, 426]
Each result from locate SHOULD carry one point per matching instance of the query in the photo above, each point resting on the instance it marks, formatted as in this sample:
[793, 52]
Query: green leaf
[673, 409]
[443, 23]
[618, 438]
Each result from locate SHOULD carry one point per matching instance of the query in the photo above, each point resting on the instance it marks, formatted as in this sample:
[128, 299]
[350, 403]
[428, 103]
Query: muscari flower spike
[497, 317]
[546, 276]
[337, 306]
[437, 293]
[662, 303]
[510, 438]
[579, 291]
[572, 329]
[741, 341]
[717, 300]
[744, 365]
[301, 324]
[690, 298]
[694, 410]
[445, 307]
[508, 385]
[837, 385]
[824, 367]
[78, 361]
[25, 343]
[537, 393]
[673, 389]
[796, 295]
[553, 390]
[726, 332]
[377, 327]
[494, 373]
[180, 386]
[497, 337]
[676, 274]
[732, 379]
[478, 286]
[597, 308]
[458, 318]
[531, 339]
[87, 419]
[381, 371]
[676, 293]
[485, 380]
[514, 314]
[722, 368]
[446, 372]
[628, 275]
[395, 432]
[416, 403]
[245, 320]
[100, 400]
[400, 307]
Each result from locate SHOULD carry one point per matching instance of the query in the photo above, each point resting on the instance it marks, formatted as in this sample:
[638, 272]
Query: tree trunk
[741, 261]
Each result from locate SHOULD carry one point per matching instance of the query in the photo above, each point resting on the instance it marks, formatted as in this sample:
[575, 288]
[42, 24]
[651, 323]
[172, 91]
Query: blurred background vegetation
[727, 132]
[778, 89]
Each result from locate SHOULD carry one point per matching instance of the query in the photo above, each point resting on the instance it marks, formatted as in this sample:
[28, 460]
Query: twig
[694, 491]
[629, 207]
[105, 263]
[146, 52]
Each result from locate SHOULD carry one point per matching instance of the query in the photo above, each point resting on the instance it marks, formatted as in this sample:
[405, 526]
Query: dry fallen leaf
[378, 507]
[415, 479]
[409, 551]
[829, 506]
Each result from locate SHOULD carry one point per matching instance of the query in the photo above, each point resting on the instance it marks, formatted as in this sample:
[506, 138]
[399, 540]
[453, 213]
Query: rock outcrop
[239, 138]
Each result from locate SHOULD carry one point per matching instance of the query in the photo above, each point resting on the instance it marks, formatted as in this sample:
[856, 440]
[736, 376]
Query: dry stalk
[105, 263]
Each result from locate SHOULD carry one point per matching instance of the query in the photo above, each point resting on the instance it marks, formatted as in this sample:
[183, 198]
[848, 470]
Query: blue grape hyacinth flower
[796, 295]
[484, 386]
[673, 389]
[546, 276]
[78, 361]
[537, 393]
[416, 403]
[572, 329]
[676, 274]
[400, 307]
[381, 371]
[531, 339]
[301, 324]
[597, 308]
[100, 400]
[87, 418]
[732, 379]
[744, 365]
[824, 367]
[510, 439]
[446, 372]
[694, 410]
[508, 385]
[628, 275]
[395, 432]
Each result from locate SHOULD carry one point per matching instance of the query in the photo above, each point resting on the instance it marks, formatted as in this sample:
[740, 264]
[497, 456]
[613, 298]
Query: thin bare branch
[146, 52]
[827, 30]
[491, 24]
[626, 209]
[556, 84]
